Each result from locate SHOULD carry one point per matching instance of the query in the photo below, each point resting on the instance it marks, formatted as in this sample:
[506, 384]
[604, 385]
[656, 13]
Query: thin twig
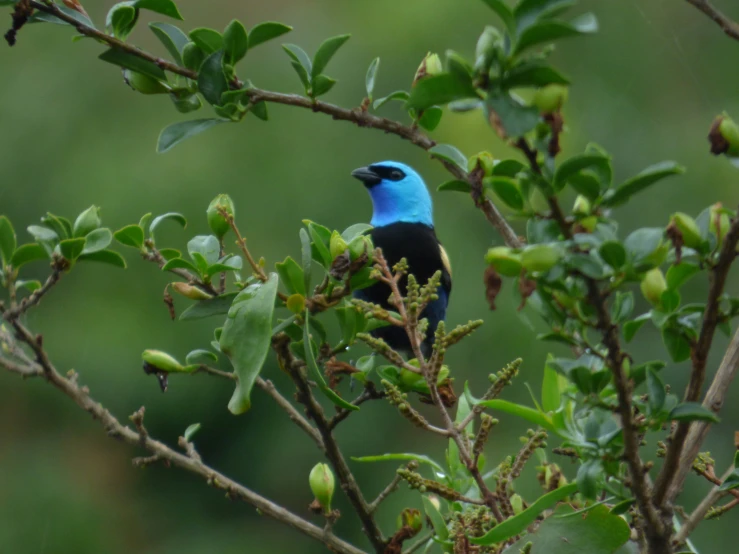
[387, 491]
[731, 28]
[37, 295]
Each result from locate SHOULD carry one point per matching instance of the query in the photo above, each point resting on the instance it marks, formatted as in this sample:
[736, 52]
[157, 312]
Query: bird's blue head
[398, 194]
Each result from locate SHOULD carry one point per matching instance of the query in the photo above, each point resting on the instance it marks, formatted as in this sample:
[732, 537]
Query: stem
[36, 296]
[731, 28]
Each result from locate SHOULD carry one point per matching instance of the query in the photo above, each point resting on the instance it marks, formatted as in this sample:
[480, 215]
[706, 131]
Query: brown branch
[160, 451]
[699, 356]
[369, 393]
[58, 266]
[357, 116]
[387, 491]
[293, 366]
[731, 28]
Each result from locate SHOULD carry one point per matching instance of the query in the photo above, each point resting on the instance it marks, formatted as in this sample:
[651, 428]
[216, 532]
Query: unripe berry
[550, 98]
[321, 481]
[216, 221]
[504, 260]
[652, 286]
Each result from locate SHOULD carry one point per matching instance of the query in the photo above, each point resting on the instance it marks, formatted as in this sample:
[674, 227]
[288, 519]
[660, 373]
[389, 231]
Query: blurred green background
[646, 87]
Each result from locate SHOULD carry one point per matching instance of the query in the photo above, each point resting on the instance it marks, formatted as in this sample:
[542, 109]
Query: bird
[403, 227]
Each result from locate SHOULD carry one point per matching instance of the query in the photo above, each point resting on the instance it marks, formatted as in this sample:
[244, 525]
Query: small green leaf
[440, 89]
[207, 308]
[353, 231]
[205, 245]
[174, 216]
[533, 73]
[134, 63]
[455, 185]
[306, 257]
[504, 12]
[87, 221]
[235, 41]
[72, 248]
[731, 482]
[693, 411]
[121, 19]
[173, 39]
[507, 168]
[177, 132]
[518, 523]
[30, 286]
[97, 240]
[586, 264]
[267, 31]
[515, 118]
[200, 356]
[325, 52]
[371, 77]
[402, 457]
[130, 235]
[450, 154]
[430, 118]
[110, 257]
[8, 241]
[677, 345]
[679, 274]
[246, 337]
[208, 40]
[574, 165]
[588, 476]
[551, 395]
[622, 307]
[507, 190]
[640, 182]
[529, 414]
[190, 431]
[260, 110]
[27, 253]
[300, 62]
[321, 85]
[656, 390]
[548, 31]
[437, 520]
[292, 276]
[399, 95]
[60, 225]
[613, 253]
[212, 81]
[164, 7]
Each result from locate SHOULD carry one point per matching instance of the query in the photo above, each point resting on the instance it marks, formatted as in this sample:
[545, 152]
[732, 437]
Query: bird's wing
[446, 278]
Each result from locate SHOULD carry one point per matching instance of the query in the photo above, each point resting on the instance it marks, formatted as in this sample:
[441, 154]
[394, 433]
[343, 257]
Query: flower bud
[504, 260]
[296, 303]
[189, 291]
[410, 517]
[688, 229]
[589, 223]
[729, 131]
[540, 257]
[550, 98]
[718, 222]
[217, 223]
[581, 206]
[488, 46]
[337, 245]
[431, 65]
[87, 221]
[161, 361]
[484, 159]
[652, 286]
[321, 481]
[143, 83]
[517, 503]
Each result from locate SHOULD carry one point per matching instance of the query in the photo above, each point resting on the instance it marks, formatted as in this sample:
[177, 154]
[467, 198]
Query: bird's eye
[396, 175]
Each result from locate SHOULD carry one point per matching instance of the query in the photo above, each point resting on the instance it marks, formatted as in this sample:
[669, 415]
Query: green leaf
[8, 242]
[174, 134]
[200, 356]
[325, 52]
[60, 225]
[315, 371]
[656, 390]
[518, 523]
[300, 62]
[403, 457]
[207, 308]
[504, 12]
[440, 89]
[533, 73]
[121, 19]
[246, 337]
[693, 411]
[292, 276]
[49, 18]
[399, 95]
[450, 154]
[353, 231]
[548, 31]
[613, 253]
[587, 265]
[588, 476]
[622, 307]
[677, 345]
[164, 7]
[437, 520]
[731, 482]
[134, 63]
[43, 235]
[321, 85]
[97, 240]
[235, 41]
[430, 118]
[574, 165]
[27, 253]
[267, 31]
[585, 183]
[212, 81]
[110, 257]
[369, 80]
[529, 414]
[455, 185]
[306, 257]
[260, 110]
[528, 12]
[174, 216]
[640, 182]
[597, 531]
[507, 190]
[30, 286]
[173, 39]
[515, 118]
[130, 235]
[205, 245]
[208, 40]
[551, 395]
[72, 248]
[190, 431]
[631, 327]
[677, 275]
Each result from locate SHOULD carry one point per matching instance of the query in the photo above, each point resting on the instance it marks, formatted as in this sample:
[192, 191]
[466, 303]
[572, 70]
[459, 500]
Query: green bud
[321, 482]
[652, 286]
[517, 503]
[410, 517]
[730, 132]
[431, 65]
[582, 205]
[718, 222]
[217, 223]
[296, 303]
[143, 83]
[688, 229]
[192, 56]
[337, 245]
[489, 45]
[486, 161]
[190, 291]
[409, 378]
[504, 260]
[540, 257]
[87, 221]
[360, 245]
[589, 223]
[161, 361]
[550, 98]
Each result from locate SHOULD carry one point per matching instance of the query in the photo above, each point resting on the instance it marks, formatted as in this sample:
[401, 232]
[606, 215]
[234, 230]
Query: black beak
[367, 176]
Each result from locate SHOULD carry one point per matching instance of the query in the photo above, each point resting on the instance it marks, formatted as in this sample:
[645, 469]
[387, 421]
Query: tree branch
[58, 266]
[357, 116]
[731, 28]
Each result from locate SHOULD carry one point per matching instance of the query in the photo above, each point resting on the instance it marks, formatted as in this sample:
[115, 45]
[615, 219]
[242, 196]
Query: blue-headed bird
[403, 227]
